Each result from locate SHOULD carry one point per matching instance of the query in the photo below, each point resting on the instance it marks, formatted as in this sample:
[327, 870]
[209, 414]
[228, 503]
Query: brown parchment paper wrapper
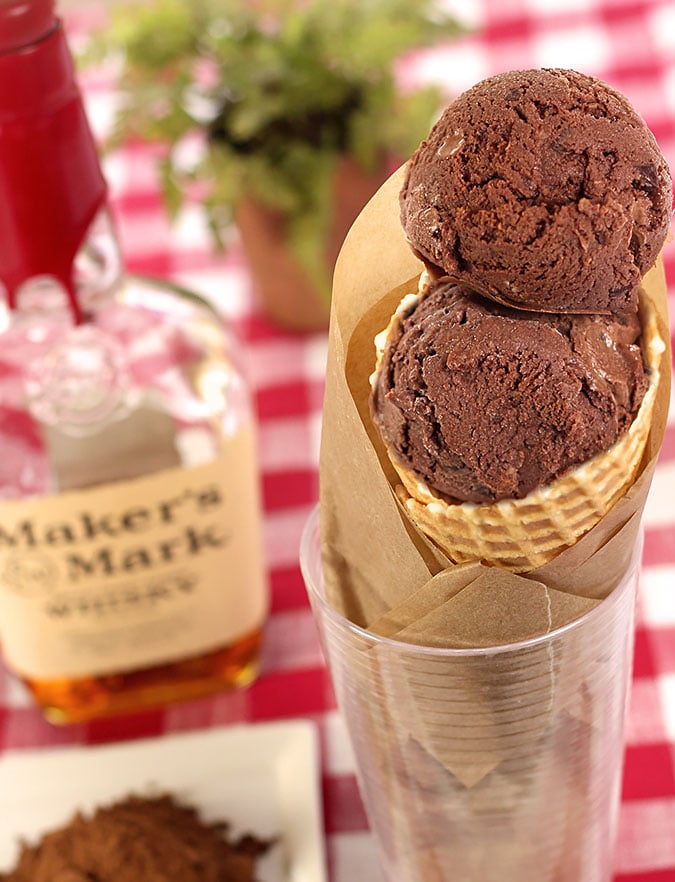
[380, 571]
[382, 574]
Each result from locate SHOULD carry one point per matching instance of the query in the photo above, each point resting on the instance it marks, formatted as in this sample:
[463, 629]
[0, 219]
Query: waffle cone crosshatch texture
[483, 679]
[521, 534]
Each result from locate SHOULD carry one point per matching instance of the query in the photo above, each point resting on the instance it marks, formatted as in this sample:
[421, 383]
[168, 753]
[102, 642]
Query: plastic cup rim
[315, 594]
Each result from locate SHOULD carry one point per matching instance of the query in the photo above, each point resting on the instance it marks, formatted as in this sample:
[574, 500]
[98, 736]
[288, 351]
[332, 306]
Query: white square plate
[262, 779]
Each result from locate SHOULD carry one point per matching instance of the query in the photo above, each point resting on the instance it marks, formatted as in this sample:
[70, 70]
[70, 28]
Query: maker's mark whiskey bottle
[131, 570]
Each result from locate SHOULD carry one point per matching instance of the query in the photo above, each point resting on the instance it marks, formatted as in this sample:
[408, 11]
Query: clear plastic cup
[498, 764]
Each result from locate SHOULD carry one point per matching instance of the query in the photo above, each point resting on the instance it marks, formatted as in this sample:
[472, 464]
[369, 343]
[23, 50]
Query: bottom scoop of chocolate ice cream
[483, 402]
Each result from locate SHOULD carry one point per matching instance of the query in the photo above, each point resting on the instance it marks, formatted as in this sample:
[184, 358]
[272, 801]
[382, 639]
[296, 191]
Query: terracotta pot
[287, 295]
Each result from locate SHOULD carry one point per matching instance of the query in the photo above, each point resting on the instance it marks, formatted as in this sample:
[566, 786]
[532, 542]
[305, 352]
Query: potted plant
[298, 113]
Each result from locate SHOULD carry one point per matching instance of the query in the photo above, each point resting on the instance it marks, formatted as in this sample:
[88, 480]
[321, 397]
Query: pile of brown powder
[153, 839]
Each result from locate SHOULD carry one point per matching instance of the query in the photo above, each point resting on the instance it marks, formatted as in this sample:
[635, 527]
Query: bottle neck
[50, 176]
[97, 273]
[23, 22]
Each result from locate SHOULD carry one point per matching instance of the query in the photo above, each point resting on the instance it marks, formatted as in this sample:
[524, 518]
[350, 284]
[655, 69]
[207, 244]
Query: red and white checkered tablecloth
[629, 43]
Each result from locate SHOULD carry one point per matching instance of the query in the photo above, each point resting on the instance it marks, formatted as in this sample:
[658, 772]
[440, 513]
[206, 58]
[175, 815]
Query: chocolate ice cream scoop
[543, 189]
[483, 402]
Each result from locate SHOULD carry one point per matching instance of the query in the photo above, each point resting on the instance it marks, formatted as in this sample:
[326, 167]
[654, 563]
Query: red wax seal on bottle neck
[23, 22]
[50, 175]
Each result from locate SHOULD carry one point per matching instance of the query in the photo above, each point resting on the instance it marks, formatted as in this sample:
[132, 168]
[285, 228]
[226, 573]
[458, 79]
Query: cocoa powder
[154, 839]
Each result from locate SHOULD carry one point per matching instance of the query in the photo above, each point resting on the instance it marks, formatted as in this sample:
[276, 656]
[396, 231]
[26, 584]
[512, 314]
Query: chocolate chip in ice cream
[542, 189]
[483, 402]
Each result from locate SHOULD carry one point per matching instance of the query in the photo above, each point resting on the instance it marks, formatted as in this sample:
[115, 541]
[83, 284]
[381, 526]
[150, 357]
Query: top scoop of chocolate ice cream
[543, 189]
[483, 402]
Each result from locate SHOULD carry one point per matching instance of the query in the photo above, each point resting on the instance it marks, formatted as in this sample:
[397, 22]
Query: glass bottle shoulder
[152, 379]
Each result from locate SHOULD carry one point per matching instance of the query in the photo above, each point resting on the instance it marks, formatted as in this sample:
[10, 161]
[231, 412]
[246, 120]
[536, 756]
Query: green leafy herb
[278, 90]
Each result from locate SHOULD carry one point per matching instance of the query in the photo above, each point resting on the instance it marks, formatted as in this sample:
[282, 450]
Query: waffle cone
[522, 534]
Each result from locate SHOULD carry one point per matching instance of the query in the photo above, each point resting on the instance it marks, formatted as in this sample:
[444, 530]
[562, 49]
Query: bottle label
[134, 573]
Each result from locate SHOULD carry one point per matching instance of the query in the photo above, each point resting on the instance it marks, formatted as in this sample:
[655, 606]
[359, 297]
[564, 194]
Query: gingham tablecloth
[631, 44]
